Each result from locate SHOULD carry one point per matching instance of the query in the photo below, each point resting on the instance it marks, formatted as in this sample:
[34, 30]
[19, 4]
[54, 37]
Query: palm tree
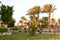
[32, 12]
[21, 21]
[53, 24]
[23, 18]
[58, 22]
[53, 21]
[48, 8]
[44, 22]
[35, 10]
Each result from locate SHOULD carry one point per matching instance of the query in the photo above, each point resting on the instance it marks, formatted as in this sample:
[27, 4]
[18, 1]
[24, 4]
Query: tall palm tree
[48, 8]
[35, 10]
[32, 12]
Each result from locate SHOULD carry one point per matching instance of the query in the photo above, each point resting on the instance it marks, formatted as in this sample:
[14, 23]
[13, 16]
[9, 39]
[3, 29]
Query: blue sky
[21, 7]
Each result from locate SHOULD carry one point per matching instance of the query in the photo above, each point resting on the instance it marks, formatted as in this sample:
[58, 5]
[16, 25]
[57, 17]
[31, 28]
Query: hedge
[3, 29]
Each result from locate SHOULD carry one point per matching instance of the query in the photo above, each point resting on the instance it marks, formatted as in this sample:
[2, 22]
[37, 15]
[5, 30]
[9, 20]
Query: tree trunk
[38, 16]
[32, 32]
[49, 14]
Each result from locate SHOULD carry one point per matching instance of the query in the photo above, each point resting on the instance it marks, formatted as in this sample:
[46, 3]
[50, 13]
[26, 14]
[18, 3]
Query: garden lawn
[25, 36]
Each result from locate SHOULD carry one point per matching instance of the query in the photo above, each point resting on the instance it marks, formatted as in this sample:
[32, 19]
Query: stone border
[6, 33]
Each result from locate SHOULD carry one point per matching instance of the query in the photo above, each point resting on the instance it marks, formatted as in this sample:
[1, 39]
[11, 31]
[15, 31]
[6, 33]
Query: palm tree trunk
[49, 14]
[38, 16]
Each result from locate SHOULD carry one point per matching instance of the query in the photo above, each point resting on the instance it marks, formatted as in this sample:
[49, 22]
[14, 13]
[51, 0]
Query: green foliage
[3, 29]
[11, 24]
[6, 14]
[44, 22]
[14, 28]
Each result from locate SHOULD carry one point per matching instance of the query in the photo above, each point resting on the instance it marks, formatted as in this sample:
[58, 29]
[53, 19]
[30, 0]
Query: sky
[22, 6]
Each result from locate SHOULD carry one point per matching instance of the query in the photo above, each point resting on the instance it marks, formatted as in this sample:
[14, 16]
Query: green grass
[25, 36]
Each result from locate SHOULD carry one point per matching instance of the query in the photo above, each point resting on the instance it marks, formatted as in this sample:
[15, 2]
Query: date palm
[53, 21]
[58, 23]
[32, 12]
[48, 8]
[23, 18]
[37, 10]
[44, 22]
[59, 20]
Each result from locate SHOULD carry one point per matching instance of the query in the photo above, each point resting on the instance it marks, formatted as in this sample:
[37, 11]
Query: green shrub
[3, 29]
[14, 28]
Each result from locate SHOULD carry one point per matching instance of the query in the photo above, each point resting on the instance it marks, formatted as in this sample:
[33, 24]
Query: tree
[58, 22]
[48, 8]
[33, 19]
[44, 22]
[33, 25]
[53, 22]
[23, 18]
[11, 24]
[6, 14]
[21, 22]
[37, 10]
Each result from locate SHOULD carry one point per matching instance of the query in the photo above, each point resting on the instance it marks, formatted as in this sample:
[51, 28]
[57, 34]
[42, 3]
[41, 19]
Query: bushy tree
[6, 14]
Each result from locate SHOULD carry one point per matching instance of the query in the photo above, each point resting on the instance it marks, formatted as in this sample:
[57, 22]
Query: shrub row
[14, 28]
[3, 29]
